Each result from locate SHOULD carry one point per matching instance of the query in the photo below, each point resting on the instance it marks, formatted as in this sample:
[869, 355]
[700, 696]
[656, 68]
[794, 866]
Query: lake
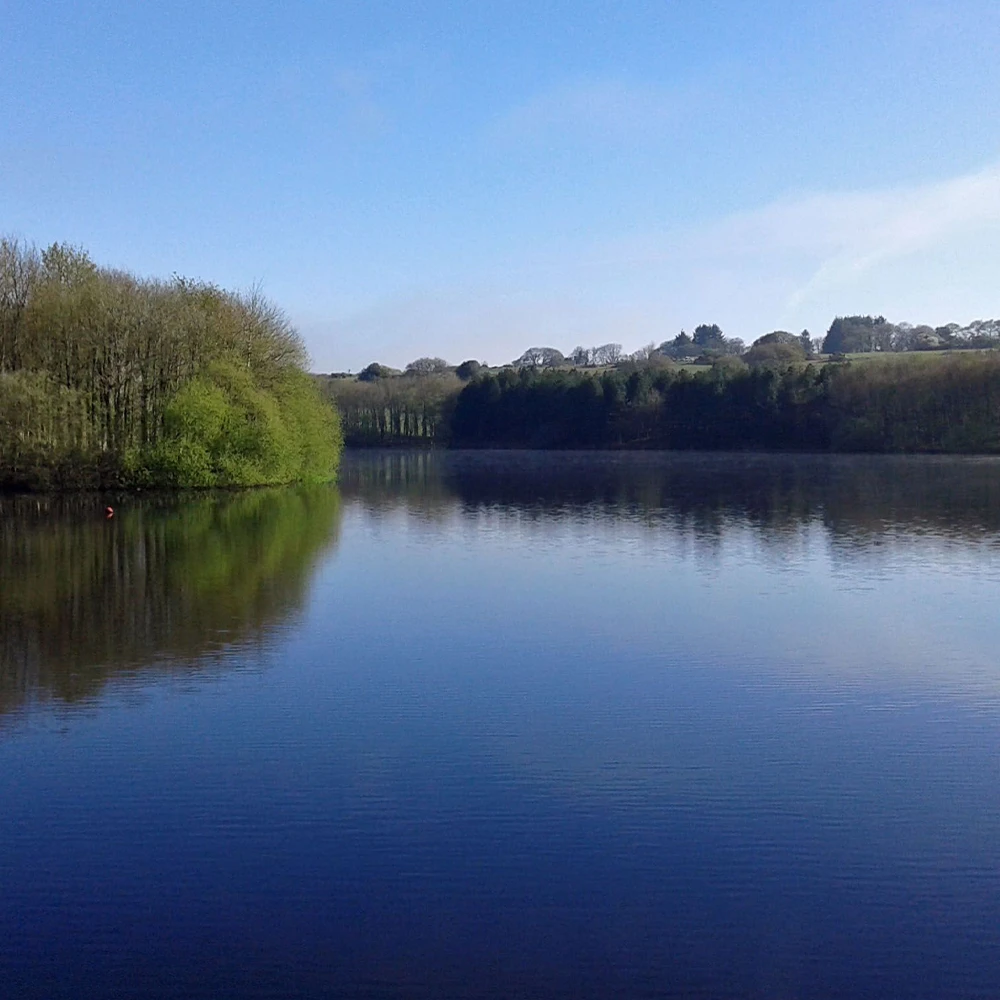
[508, 725]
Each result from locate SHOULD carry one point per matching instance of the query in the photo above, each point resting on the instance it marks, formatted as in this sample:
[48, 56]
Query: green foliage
[427, 366]
[776, 337]
[374, 371]
[109, 379]
[709, 337]
[778, 348]
[395, 410]
[468, 370]
[224, 429]
[314, 427]
[859, 334]
[682, 346]
[545, 357]
[947, 404]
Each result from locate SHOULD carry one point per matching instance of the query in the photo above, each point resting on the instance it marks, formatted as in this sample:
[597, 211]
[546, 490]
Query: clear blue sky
[470, 179]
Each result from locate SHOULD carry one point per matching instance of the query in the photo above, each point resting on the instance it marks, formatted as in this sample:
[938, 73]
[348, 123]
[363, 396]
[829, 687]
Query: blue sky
[470, 179]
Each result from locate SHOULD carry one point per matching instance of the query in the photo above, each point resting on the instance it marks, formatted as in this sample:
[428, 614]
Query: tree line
[770, 395]
[109, 378]
[846, 335]
[892, 404]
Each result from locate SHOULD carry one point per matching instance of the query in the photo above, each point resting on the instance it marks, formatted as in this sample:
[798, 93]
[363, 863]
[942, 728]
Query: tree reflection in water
[170, 582]
[853, 498]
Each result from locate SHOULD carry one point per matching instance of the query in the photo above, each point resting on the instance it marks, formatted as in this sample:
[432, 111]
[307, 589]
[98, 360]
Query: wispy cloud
[594, 110]
[888, 226]
[925, 253]
[828, 242]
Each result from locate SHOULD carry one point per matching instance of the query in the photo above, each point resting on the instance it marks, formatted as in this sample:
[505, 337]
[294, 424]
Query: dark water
[508, 726]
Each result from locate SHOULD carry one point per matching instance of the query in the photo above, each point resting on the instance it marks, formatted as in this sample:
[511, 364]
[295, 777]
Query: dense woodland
[773, 397]
[107, 378]
[893, 405]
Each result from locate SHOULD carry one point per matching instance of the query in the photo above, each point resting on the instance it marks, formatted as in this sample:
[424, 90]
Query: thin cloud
[888, 226]
[828, 241]
[923, 253]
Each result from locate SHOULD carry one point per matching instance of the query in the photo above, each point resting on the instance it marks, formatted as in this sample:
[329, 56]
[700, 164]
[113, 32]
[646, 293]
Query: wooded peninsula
[108, 379]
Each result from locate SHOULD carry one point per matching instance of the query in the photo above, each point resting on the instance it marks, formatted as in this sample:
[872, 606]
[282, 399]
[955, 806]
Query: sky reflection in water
[499, 725]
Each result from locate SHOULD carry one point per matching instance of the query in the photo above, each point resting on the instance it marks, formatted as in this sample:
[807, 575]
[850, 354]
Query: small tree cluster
[427, 366]
[708, 341]
[867, 334]
[605, 354]
[540, 357]
[777, 348]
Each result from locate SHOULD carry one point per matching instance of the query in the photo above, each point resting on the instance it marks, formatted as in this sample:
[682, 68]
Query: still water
[507, 725]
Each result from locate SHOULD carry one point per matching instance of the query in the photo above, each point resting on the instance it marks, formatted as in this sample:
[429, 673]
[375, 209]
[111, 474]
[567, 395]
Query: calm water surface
[508, 726]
